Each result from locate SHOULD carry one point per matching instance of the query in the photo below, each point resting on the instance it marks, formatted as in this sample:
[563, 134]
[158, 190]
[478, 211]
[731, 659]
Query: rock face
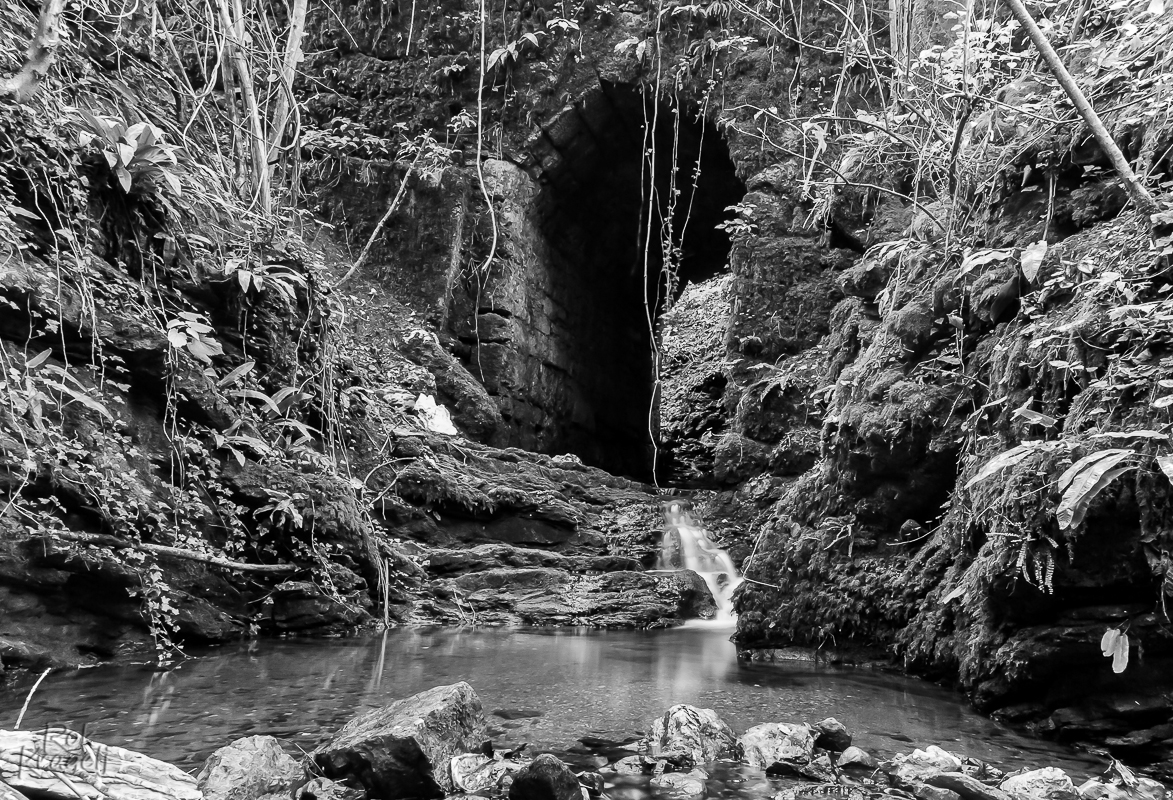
[8, 793]
[403, 750]
[548, 596]
[545, 778]
[697, 735]
[765, 745]
[247, 769]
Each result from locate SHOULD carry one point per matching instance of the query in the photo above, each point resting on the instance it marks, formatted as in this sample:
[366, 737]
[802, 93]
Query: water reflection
[546, 687]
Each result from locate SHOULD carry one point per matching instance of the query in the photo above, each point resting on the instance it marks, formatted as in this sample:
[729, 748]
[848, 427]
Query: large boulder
[247, 769]
[1048, 783]
[403, 750]
[545, 778]
[698, 734]
[772, 743]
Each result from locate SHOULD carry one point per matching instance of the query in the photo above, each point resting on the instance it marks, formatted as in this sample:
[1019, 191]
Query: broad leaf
[1034, 417]
[979, 258]
[255, 395]
[1165, 462]
[1032, 259]
[240, 371]
[1092, 478]
[1007, 459]
[38, 359]
[1069, 474]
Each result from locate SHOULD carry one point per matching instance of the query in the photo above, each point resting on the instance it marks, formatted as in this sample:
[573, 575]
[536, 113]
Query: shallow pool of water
[541, 686]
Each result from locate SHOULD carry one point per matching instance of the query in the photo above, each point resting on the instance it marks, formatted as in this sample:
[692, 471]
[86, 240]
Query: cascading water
[686, 545]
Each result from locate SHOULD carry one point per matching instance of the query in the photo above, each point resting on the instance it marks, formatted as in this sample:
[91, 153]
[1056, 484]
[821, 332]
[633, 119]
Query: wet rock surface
[403, 750]
[545, 778]
[248, 769]
[692, 735]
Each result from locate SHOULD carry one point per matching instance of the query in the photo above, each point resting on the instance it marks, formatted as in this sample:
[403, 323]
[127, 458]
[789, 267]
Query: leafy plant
[191, 332]
[136, 154]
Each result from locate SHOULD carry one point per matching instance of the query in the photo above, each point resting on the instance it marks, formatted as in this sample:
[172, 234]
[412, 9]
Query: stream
[547, 687]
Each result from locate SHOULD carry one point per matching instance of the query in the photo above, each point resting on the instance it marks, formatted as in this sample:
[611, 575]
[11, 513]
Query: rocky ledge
[435, 744]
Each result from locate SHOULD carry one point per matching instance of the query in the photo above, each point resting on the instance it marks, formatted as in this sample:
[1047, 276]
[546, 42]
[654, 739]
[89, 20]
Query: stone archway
[560, 331]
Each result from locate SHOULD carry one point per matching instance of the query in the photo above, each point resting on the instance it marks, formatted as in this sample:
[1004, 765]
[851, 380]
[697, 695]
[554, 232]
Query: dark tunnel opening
[606, 271]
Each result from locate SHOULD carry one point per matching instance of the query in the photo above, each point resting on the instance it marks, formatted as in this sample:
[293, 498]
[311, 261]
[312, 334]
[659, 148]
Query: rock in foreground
[403, 750]
[247, 769]
[545, 778]
[58, 763]
[697, 734]
[765, 745]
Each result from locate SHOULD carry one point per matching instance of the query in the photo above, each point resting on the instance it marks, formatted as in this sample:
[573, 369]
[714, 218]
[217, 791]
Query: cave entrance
[622, 173]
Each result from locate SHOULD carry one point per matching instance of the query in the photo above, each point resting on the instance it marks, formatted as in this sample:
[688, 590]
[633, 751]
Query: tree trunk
[41, 51]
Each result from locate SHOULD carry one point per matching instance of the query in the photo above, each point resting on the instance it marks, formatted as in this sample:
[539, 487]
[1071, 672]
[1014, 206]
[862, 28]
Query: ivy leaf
[200, 350]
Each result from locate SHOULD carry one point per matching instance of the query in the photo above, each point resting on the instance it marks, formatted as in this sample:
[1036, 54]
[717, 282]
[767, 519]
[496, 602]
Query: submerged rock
[545, 778]
[1048, 783]
[682, 784]
[698, 733]
[926, 792]
[325, 789]
[775, 742]
[593, 782]
[969, 788]
[403, 750]
[248, 768]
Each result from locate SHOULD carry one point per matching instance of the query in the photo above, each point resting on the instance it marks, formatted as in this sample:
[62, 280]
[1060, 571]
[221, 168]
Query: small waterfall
[686, 545]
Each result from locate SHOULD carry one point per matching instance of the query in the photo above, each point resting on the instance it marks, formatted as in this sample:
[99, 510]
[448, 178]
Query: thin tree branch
[1136, 189]
[176, 552]
[391, 209]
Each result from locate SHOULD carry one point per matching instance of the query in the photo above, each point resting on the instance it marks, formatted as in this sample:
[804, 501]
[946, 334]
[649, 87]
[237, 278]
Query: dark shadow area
[606, 273]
